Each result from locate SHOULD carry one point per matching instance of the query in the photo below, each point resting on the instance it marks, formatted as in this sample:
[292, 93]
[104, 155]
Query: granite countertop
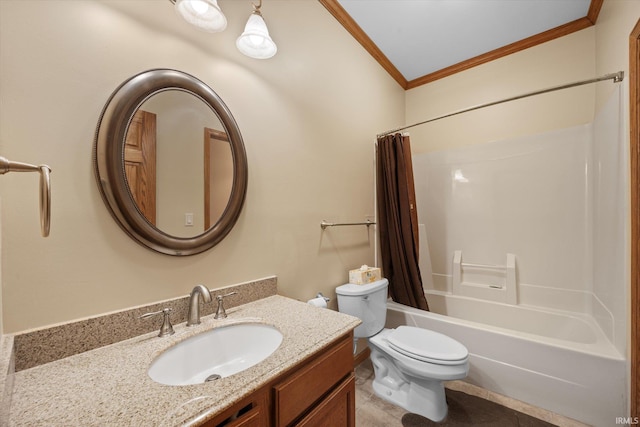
[110, 385]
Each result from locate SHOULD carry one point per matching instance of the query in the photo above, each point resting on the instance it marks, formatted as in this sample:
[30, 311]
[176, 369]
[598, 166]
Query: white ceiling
[420, 37]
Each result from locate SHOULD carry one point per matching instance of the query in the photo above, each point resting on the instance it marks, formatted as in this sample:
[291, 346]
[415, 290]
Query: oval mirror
[170, 162]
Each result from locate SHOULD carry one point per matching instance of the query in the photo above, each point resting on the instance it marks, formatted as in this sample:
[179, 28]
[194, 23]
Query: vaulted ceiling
[419, 41]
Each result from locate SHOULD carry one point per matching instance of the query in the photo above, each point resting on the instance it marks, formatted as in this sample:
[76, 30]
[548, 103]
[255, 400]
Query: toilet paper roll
[318, 302]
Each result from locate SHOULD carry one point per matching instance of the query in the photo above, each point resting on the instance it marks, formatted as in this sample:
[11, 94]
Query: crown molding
[341, 15]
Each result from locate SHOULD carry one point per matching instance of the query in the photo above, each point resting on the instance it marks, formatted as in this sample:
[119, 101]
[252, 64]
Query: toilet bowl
[410, 363]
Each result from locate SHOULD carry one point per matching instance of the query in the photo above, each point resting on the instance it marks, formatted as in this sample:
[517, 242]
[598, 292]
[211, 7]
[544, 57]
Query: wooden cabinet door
[301, 390]
[318, 392]
[337, 409]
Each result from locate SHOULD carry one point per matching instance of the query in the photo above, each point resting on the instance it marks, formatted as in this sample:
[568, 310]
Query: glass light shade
[255, 41]
[204, 14]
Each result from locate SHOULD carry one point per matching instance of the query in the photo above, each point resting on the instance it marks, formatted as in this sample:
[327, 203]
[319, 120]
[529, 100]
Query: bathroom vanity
[319, 391]
[308, 380]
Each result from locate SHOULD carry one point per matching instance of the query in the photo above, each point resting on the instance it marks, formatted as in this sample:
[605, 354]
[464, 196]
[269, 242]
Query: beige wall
[554, 63]
[615, 22]
[308, 117]
[594, 51]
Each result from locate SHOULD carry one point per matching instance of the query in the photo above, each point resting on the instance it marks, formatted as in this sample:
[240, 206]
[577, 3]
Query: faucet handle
[167, 327]
[219, 297]
[221, 313]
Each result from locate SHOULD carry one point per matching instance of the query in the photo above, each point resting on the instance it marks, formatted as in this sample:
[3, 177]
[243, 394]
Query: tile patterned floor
[468, 406]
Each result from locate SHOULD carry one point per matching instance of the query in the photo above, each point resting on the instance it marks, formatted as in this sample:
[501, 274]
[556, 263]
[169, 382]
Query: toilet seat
[427, 346]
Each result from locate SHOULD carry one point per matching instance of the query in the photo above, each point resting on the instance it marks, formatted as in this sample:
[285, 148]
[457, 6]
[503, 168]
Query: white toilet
[410, 363]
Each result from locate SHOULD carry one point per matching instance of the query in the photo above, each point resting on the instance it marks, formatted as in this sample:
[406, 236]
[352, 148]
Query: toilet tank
[368, 303]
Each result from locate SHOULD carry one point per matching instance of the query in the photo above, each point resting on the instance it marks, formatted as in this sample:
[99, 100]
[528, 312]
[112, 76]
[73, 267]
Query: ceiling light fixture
[204, 14]
[255, 41]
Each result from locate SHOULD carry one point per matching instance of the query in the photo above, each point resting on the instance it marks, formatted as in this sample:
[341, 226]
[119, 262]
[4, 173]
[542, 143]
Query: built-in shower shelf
[485, 281]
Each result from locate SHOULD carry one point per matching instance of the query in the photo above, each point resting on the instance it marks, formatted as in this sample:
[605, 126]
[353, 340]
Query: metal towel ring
[45, 188]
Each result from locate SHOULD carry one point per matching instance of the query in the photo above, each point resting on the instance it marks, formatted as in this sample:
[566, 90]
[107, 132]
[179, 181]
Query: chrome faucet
[194, 309]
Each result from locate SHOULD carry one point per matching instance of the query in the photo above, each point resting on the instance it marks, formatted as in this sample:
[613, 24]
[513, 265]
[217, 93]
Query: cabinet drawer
[253, 418]
[310, 383]
[252, 412]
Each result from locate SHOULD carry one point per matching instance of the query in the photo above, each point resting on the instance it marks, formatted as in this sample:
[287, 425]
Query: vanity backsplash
[39, 346]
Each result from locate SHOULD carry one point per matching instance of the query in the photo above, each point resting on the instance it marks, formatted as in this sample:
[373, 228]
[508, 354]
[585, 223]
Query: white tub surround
[523, 259]
[559, 362]
[486, 281]
[579, 332]
[535, 221]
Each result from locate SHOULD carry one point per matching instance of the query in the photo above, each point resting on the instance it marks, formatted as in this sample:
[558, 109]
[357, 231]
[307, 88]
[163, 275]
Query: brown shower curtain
[398, 221]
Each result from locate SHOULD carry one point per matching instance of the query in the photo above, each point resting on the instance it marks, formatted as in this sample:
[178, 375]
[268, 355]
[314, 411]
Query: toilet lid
[427, 346]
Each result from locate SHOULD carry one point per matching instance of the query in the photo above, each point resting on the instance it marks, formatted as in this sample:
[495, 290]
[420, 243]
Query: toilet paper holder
[319, 300]
[319, 295]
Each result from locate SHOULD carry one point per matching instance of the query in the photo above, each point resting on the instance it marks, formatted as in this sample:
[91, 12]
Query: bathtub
[555, 360]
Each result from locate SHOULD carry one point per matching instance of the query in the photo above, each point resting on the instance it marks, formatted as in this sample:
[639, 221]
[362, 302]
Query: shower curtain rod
[616, 77]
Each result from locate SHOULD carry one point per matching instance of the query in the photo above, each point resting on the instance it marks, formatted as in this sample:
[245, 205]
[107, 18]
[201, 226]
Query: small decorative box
[364, 275]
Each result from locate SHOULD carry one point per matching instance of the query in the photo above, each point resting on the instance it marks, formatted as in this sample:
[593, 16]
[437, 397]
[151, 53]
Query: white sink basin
[217, 353]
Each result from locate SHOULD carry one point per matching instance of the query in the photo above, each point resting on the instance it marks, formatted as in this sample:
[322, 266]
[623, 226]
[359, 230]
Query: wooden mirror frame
[108, 157]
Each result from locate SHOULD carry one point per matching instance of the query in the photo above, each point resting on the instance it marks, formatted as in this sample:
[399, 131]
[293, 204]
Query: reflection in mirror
[218, 175]
[179, 175]
[170, 162]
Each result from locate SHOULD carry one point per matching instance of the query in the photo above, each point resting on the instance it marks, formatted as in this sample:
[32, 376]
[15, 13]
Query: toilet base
[426, 398]
[414, 385]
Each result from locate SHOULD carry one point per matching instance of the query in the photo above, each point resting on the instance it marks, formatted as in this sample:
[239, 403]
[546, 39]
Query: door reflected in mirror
[178, 163]
[218, 175]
